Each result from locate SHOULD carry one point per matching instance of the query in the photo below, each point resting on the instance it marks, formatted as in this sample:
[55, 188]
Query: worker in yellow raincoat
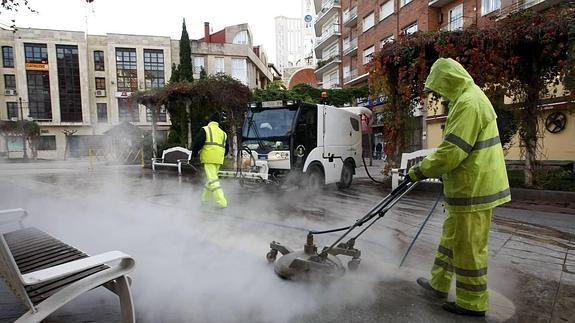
[212, 144]
[471, 163]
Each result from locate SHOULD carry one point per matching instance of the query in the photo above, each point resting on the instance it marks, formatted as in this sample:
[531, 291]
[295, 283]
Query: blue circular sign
[308, 18]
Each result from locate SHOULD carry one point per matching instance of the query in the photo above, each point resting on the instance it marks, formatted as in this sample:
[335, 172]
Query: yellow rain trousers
[471, 162]
[463, 251]
[212, 187]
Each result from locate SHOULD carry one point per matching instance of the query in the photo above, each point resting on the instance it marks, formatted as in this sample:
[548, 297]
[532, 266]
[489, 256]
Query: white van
[283, 138]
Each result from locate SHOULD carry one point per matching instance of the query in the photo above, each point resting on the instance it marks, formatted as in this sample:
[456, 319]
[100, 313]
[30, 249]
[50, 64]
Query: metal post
[24, 149]
[154, 125]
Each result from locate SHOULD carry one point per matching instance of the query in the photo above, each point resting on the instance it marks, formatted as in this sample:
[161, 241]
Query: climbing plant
[520, 57]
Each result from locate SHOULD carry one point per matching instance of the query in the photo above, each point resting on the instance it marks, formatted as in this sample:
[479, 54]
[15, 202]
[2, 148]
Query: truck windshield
[269, 123]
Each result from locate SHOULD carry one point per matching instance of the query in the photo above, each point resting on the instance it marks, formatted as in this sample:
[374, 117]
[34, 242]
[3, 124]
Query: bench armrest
[12, 215]
[397, 171]
[44, 275]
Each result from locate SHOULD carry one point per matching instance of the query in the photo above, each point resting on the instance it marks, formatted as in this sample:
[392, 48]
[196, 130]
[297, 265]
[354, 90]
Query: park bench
[46, 273]
[173, 157]
[407, 161]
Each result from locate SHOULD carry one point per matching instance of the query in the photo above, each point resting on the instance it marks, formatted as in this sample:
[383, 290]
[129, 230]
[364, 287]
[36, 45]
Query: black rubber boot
[455, 309]
[432, 291]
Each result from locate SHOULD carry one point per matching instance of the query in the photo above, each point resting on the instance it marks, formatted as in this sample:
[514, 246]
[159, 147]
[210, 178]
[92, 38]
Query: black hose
[376, 210]
[368, 174]
[421, 227]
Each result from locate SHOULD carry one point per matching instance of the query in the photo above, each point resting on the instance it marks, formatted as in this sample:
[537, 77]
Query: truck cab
[316, 143]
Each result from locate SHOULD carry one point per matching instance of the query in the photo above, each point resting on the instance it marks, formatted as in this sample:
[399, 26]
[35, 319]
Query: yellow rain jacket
[214, 148]
[470, 158]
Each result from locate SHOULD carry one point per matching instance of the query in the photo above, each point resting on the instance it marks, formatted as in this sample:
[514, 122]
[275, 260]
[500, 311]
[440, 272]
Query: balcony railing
[349, 45]
[349, 15]
[334, 29]
[349, 75]
[326, 7]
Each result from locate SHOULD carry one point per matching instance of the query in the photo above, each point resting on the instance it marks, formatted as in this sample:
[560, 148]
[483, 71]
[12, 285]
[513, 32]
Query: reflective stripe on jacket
[214, 148]
[470, 159]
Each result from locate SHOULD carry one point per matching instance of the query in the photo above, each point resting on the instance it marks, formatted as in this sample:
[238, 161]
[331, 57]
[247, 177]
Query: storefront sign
[36, 67]
[367, 102]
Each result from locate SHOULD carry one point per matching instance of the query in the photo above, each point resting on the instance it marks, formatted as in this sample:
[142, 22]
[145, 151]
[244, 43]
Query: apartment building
[328, 45]
[77, 88]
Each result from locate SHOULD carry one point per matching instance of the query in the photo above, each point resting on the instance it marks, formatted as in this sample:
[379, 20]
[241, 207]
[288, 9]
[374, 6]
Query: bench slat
[61, 259]
[35, 259]
[40, 292]
[39, 251]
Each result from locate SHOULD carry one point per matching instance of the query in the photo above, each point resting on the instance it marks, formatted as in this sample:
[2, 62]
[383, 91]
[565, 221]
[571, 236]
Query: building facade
[77, 88]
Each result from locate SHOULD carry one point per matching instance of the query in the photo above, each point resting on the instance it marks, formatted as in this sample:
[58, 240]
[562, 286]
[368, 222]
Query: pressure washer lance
[308, 264]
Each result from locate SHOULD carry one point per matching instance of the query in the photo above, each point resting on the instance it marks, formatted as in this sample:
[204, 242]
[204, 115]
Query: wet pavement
[202, 265]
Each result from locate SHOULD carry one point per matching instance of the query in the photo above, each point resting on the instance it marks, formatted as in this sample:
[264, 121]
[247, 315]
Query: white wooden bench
[173, 157]
[409, 160]
[45, 273]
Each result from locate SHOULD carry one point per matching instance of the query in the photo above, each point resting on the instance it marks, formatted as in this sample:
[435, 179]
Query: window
[8, 56]
[128, 110]
[100, 83]
[386, 9]
[69, 83]
[162, 115]
[331, 80]
[36, 53]
[404, 2]
[368, 54]
[154, 68]
[220, 67]
[240, 70]
[241, 38]
[456, 18]
[387, 40]
[410, 29]
[127, 74]
[9, 81]
[45, 143]
[368, 22]
[98, 60]
[198, 65]
[488, 6]
[39, 102]
[12, 108]
[102, 111]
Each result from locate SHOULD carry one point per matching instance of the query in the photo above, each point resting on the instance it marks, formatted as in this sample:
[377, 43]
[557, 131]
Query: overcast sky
[162, 18]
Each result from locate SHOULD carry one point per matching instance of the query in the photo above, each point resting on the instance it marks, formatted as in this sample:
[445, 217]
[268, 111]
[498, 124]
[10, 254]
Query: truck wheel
[315, 179]
[346, 176]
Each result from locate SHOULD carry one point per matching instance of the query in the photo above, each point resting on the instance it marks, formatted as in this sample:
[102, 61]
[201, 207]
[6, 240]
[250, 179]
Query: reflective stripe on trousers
[463, 251]
[212, 187]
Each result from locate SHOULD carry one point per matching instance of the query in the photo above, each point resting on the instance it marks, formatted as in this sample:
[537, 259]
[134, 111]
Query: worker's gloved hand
[407, 179]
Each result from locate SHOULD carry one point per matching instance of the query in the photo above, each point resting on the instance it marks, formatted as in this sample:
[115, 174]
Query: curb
[524, 194]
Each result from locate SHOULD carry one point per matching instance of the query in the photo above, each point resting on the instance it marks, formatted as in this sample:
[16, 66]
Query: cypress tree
[185, 69]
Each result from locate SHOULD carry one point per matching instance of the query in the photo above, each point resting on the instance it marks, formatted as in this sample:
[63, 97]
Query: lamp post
[24, 150]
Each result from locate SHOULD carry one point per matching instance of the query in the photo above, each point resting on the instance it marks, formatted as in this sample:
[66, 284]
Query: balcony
[535, 5]
[350, 17]
[352, 77]
[349, 46]
[439, 3]
[329, 9]
[327, 38]
[327, 65]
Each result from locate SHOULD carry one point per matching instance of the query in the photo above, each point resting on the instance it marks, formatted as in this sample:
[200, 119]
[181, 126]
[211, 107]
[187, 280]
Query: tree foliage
[305, 92]
[186, 71]
[519, 57]
[15, 5]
